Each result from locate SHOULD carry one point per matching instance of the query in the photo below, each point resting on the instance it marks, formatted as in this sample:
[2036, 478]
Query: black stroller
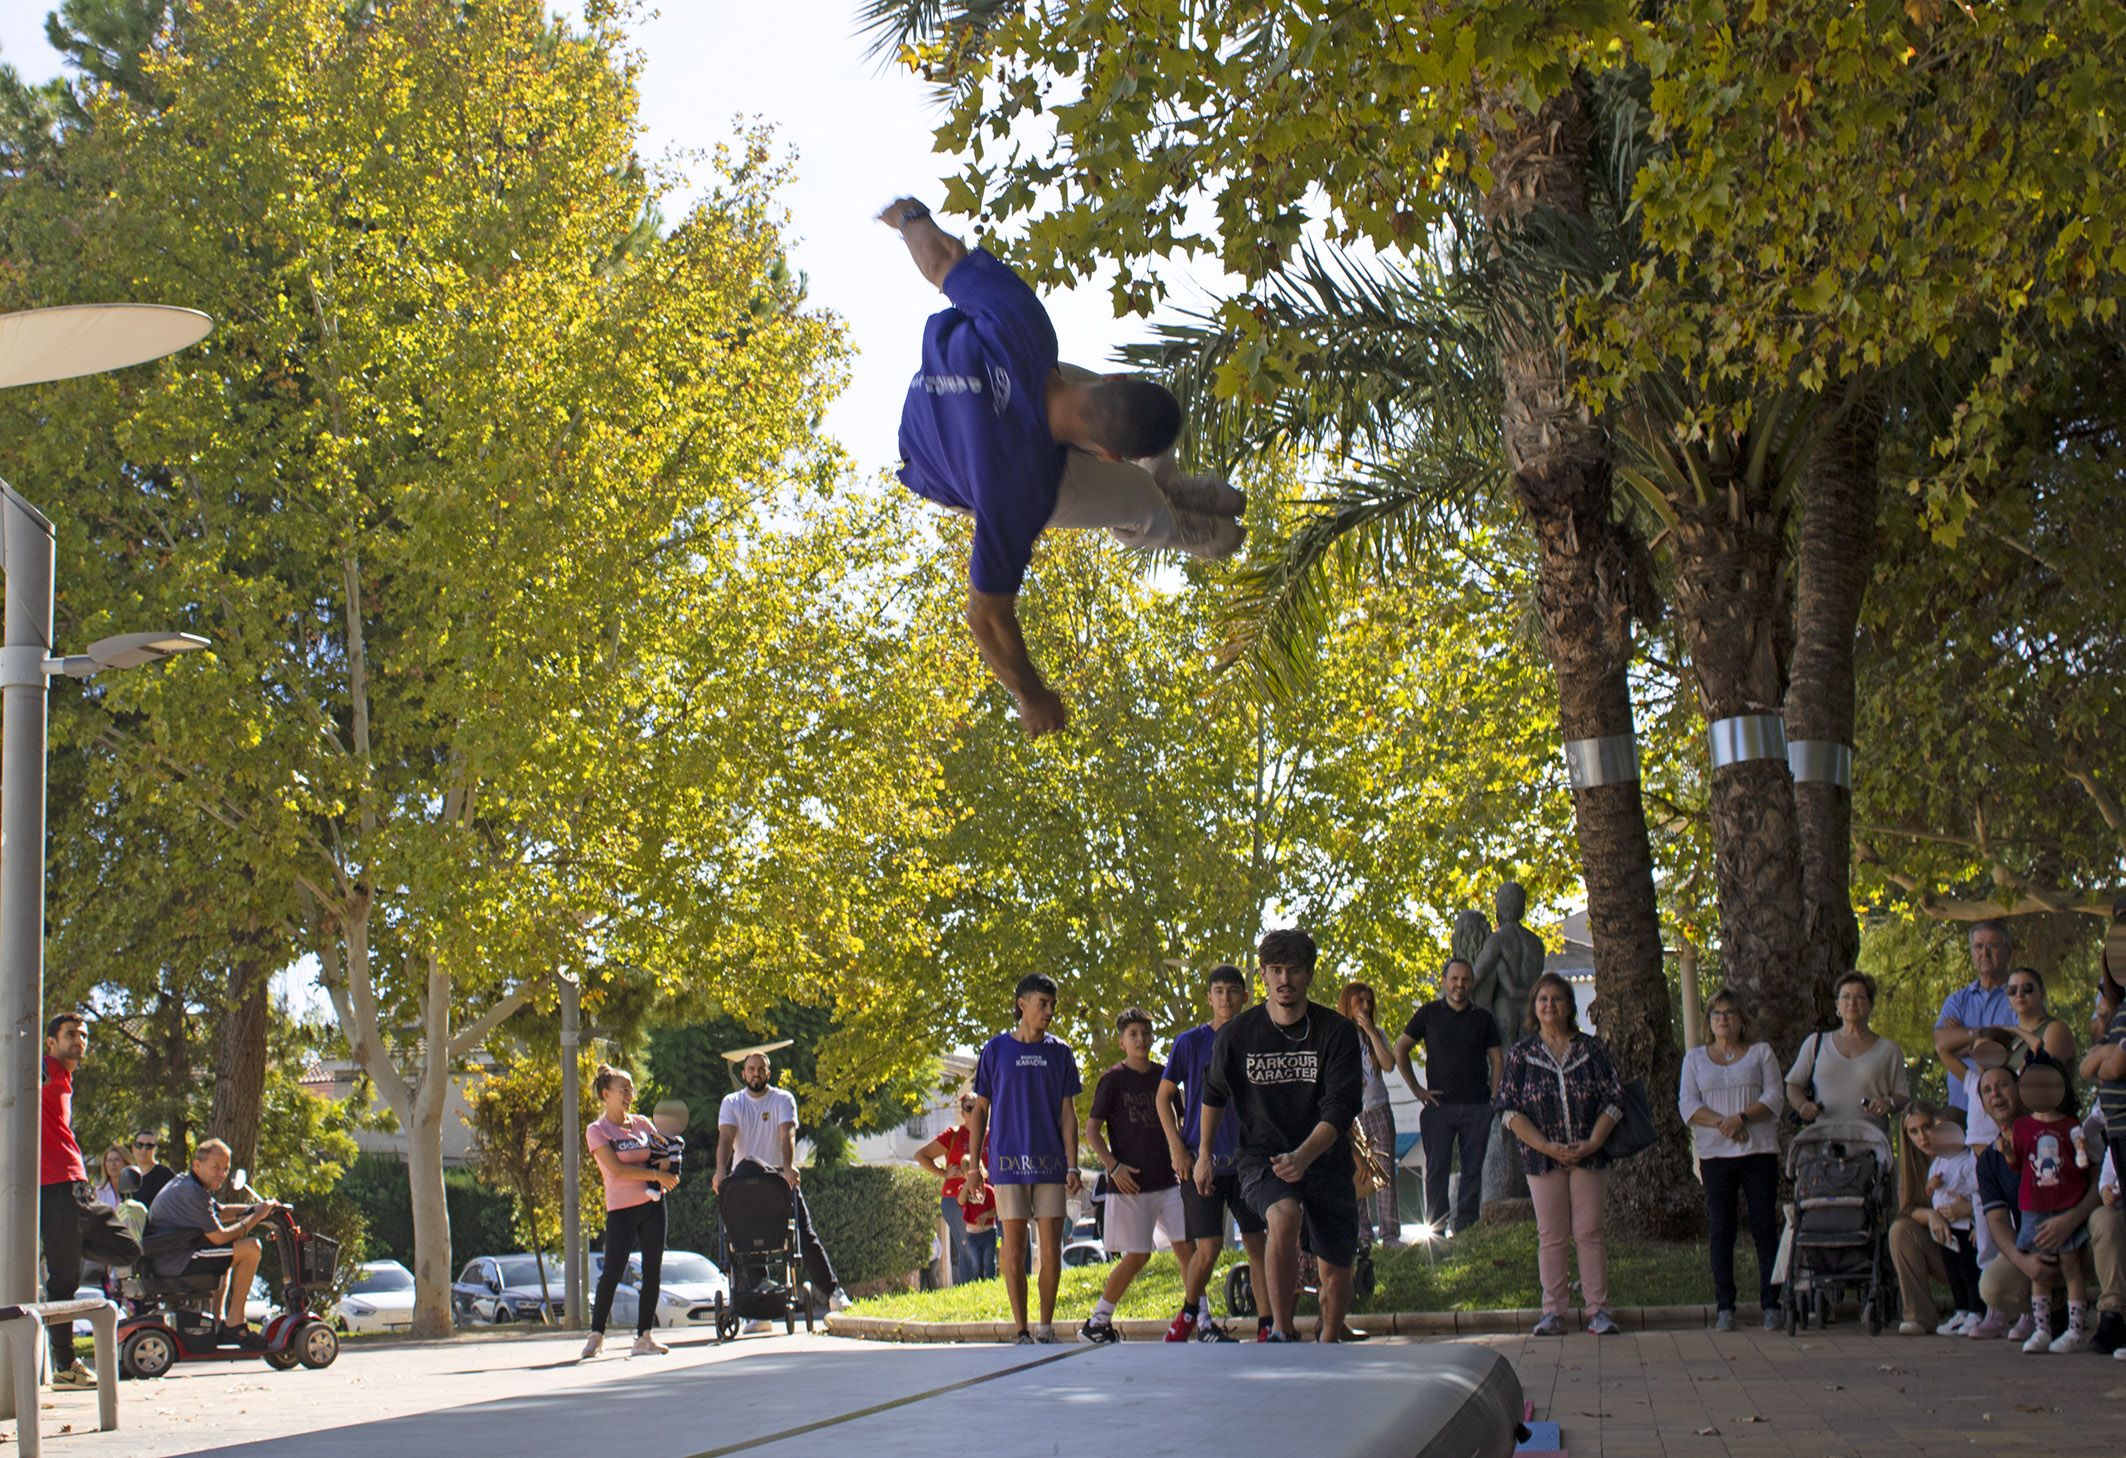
[1838, 1225]
[761, 1252]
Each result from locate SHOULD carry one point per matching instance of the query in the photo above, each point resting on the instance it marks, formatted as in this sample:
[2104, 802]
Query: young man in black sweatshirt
[1289, 1070]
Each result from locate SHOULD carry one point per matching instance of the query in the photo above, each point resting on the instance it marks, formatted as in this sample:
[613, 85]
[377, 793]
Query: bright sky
[861, 135]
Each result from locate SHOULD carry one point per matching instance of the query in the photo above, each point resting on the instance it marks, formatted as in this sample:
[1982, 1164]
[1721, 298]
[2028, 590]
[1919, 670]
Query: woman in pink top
[623, 1142]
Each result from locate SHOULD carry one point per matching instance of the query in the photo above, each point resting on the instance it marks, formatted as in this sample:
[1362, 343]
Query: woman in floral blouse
[1560, 1097]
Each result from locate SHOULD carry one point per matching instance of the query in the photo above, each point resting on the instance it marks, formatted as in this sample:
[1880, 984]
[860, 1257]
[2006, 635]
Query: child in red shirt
[2042, 1146]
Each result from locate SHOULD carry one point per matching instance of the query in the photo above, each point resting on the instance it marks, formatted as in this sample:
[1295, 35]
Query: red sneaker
[1182, 1328]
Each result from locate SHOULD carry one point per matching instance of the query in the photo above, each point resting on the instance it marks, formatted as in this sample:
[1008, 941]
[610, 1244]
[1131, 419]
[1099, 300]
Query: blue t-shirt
[1026, 1084]
[1972, 1006]
[974, 430]
[1188, 1068]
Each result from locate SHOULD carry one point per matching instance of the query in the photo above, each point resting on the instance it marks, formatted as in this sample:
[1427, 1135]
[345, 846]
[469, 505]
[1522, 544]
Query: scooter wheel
[316, 1345]
[284, 1360]
[147, 1353]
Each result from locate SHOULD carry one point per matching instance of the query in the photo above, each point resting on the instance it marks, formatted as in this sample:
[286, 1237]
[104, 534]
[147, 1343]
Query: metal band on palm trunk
[1612, 759]
[1820, 761]
[1746, 737]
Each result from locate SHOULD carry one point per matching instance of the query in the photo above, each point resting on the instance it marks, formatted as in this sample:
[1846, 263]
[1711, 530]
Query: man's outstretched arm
[993, 617]
[934, 250]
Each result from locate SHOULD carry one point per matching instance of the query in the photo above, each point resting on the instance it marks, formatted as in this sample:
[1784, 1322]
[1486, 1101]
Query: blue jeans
[982, 1244]
[956, 1237]
[1441, 1129]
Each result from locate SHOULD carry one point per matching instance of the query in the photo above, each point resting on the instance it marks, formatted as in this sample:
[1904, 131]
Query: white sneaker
[2073, 1339]
[593, 1346]
[78, 1375]
[1910, 1328]
[2040, 1341]
[1212, 538]
[2021, 1330]
[647, 1345]
[757, 1326]
[1952, 1326]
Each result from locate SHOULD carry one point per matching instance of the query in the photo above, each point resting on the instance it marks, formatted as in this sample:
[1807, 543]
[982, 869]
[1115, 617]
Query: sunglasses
[143, 1144]
[2022, 989]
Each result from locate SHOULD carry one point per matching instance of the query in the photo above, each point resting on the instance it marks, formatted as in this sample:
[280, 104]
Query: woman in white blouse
[1730, 1097]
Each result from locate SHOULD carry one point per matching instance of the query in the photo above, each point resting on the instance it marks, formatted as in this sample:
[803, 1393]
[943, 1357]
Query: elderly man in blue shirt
[1980, 1003]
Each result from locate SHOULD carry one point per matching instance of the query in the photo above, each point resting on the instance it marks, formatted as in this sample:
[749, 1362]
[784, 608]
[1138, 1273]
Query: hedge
[876, 1221]
[481, 1219]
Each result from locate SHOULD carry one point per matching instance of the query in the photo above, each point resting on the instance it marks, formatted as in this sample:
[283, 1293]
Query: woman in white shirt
[1730, 1098]
[1853, 1073]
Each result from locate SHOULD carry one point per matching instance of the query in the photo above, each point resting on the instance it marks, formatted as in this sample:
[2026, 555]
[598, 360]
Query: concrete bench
[23, 1344]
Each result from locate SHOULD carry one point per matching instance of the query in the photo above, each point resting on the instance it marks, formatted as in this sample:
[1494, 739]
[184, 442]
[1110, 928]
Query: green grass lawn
[1491, 1268]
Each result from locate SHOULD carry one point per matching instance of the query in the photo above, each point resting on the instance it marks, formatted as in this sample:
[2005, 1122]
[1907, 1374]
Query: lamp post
[572, 1262]
[36, 346]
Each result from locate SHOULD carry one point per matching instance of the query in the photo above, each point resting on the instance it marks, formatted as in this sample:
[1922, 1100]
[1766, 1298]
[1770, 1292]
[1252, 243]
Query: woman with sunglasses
[946, 1157]
[2039, 1034]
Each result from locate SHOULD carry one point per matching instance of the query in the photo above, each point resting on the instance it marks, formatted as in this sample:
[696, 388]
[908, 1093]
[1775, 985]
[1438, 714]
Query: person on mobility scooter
[198, 1262]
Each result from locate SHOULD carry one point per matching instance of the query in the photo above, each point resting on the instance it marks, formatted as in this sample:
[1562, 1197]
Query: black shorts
[1203, 1216]
[1328, 1203]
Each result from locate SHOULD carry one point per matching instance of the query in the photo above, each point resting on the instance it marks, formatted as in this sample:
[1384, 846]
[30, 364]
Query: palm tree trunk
[1591, 583]
[1736, 614]
[1835, 559]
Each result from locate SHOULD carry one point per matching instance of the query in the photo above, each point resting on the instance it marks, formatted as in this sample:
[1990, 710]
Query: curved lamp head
[37, 345]
[126, 650]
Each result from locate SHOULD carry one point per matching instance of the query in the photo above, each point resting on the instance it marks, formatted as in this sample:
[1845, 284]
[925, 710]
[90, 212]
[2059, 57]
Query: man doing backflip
[1187, 1070]
[996, 427]
[1289, 1071]
[1026, 1123]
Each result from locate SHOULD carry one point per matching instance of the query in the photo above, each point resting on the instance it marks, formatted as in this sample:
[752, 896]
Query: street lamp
[36, 346]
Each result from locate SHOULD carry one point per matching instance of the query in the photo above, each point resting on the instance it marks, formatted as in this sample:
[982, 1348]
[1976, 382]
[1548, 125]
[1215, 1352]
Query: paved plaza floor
[1652, 1393]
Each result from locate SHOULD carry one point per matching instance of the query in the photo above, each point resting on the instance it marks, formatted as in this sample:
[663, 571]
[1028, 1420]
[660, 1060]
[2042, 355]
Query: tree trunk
[1834, 562]
[431, 1214]
[1591, 583]
[240, 1059]
[1735, 612]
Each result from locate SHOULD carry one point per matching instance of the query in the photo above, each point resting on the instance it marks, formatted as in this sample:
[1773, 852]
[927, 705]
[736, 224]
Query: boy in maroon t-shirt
[2041, 1145]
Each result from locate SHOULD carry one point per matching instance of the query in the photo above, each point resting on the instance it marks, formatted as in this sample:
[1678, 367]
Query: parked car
[380, 1298]
[504, 1289]
[688, 1285]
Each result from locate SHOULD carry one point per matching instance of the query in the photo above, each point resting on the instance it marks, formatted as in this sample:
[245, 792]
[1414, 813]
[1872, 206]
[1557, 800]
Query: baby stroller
[1838, 1225]
[759, 1248]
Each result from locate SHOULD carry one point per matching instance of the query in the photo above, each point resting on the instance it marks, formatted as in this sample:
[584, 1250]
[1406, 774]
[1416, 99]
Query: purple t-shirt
[974, 429]
[1188, 1068]
[1026, 1084]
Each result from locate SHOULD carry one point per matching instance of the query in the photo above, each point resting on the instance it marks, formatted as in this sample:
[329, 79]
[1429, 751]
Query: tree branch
[2028, 897]
[475, 1033]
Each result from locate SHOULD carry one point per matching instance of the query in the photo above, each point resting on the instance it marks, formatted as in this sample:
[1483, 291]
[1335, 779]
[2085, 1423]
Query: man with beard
[756, 1133]
[1289, 1071]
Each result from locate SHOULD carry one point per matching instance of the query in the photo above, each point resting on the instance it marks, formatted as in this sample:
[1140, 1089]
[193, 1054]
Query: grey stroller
[1837, 1239]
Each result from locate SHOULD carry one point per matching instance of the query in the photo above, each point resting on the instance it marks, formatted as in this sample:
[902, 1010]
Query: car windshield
[523, 1273]
[381, 1278]
[683, 1265]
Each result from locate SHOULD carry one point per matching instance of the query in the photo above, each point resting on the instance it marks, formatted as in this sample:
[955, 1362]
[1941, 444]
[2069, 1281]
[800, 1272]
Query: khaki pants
[2007, 1290]
[1918, 1262]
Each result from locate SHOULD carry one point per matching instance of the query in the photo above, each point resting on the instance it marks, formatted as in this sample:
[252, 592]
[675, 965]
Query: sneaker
[1723, 1320]
[1603, 1324]
[594, 1344]
[2040, 1341]
[1023, 1339]
[2119, 1354]
[78, 1375]
[1100, 1332]
[1954, 1326]
[2073, 1339]
[1182, 1328]
[759, 1327]
[1045, 1335]
[1278, 1336]
[1990, 1327]
[2021, 1330]
[1210, 537]
[1210, 1331]
[1552, 1324]
[837, 1300]
[647, 1345]
[1206, 495]
[1910, 1328]
[2110, 1334]
[1772, 1319]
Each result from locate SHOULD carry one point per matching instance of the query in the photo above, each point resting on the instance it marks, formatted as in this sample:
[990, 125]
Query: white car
[381, 1298]
[688, 1285]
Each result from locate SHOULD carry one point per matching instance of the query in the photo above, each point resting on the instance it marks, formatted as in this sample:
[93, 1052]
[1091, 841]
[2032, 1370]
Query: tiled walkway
[1662, 1394]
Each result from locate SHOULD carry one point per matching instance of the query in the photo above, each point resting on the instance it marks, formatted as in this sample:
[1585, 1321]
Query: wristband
[913, 214]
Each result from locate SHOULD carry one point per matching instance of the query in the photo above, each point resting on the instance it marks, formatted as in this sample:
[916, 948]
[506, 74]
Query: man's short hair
[207, 1146]
[51, 1029]
[1226, 972]
[1034, 982]
[1454, 962]
[1289, 947]
[1132, 417]
[1131, 1015]
[1992, 924]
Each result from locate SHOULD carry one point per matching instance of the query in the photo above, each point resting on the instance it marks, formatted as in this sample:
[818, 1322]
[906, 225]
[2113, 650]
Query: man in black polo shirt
[1288, 1070]
[1462, 1065]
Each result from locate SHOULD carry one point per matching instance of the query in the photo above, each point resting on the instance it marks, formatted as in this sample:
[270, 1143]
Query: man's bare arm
[993, 618]
[935, 251]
